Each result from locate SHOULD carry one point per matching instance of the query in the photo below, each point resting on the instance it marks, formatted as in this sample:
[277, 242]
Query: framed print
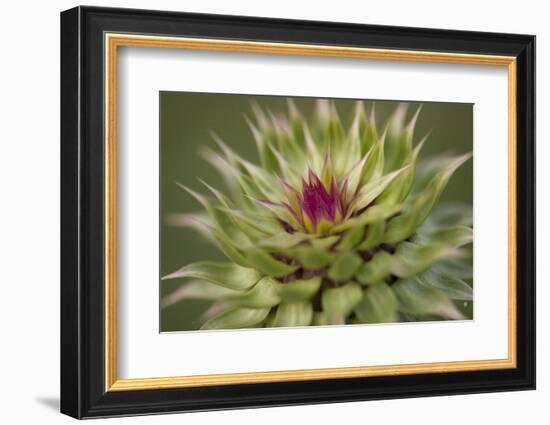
[261, 212]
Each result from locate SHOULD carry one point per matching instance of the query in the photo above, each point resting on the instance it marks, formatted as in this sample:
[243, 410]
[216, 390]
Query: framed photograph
[261, 212]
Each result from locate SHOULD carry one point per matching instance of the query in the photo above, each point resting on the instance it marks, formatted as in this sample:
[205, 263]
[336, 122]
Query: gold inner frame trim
[113, 41]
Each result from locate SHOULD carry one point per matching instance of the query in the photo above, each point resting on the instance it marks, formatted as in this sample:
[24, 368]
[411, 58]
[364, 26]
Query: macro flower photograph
[293, 211]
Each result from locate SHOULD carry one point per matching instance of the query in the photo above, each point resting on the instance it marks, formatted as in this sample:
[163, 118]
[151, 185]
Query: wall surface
[29, 213]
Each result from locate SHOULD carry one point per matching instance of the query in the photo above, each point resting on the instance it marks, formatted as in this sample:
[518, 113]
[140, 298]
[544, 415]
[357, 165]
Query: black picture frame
[83, 392]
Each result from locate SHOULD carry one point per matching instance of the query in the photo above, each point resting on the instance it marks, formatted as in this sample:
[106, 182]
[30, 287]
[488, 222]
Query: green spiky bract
[333, 226]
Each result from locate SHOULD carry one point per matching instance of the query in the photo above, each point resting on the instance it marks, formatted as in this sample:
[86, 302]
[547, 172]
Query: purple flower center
[317, 202]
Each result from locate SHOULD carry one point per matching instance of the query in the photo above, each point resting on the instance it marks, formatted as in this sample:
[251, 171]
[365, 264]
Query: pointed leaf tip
[228, 275]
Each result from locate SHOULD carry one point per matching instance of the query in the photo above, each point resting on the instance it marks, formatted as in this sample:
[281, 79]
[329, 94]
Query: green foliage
[293, 314]
[339, 302]
[379, 305]
[334, 226]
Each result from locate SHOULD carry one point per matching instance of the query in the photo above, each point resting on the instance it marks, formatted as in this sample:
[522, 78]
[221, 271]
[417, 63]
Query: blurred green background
[186, 120]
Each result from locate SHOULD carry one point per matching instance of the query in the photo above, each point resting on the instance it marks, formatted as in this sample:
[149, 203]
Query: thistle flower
[334, 226]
